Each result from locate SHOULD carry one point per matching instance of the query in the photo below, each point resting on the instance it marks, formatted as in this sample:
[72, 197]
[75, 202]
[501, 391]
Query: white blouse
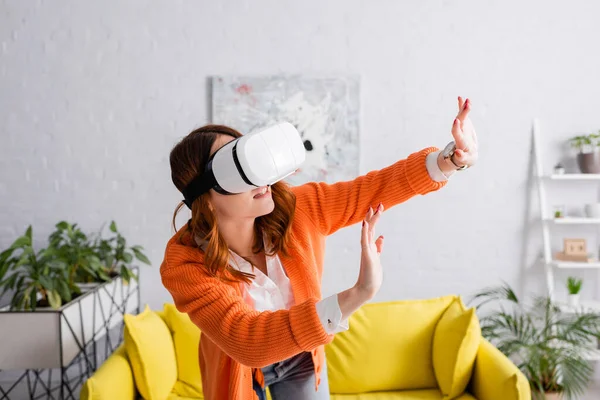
[273, 291]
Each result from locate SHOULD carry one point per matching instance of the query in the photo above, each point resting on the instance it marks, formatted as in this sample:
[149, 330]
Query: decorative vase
[559, 169]
[589, 163]
[592, 210]
[574, 300]
[553, 396]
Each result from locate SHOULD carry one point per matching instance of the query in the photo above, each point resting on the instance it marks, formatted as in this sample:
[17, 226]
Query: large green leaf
[127, 257]
[6, 254]
[140, 256]
[63, 290]
[54, 299]
[62, 225]
[20, 242]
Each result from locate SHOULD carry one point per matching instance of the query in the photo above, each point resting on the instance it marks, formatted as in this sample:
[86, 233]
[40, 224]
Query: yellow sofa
[399, 350]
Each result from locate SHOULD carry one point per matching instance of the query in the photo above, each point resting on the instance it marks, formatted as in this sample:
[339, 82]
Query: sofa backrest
[388, 347]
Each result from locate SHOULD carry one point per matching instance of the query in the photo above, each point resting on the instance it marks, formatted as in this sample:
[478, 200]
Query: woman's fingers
[368, 229]
[457, 134]
[364, 236]
[379, 244]
[464, 111]
[461, 103]
[376, 215]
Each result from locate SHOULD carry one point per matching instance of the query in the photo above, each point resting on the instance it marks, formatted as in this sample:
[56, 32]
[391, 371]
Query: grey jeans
[294, 379]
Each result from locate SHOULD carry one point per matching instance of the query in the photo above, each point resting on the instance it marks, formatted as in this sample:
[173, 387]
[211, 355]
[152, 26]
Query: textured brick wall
[94, 94]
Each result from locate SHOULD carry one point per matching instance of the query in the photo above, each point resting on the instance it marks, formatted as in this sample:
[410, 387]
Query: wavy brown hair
[188, 159]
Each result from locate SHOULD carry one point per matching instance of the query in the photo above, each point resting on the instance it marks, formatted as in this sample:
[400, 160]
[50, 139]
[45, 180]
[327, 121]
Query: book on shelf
[562, 256]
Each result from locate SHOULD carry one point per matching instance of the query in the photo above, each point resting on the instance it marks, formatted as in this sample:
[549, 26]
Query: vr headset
[251, 161]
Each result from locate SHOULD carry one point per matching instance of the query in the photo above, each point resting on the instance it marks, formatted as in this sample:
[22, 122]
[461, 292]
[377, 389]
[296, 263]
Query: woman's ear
[209, 203]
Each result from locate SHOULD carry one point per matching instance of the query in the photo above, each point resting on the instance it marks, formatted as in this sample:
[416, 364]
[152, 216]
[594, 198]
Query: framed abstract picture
[325, 110]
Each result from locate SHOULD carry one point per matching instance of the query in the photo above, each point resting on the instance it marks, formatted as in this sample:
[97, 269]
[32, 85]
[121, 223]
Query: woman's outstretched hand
[370, 276]
[464, 135]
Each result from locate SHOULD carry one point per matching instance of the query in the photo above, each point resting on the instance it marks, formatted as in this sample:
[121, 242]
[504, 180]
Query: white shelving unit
[574, 221]
[548, 221]
[574, 177]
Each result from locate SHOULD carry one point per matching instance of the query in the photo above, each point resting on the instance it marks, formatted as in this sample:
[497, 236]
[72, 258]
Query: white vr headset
[251, 161]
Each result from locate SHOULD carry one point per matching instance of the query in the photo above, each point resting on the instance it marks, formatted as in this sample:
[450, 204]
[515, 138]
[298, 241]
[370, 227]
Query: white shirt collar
[238, 262]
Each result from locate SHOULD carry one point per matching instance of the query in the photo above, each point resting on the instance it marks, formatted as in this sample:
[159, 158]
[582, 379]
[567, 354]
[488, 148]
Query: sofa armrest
[112, 381]
[495, 377]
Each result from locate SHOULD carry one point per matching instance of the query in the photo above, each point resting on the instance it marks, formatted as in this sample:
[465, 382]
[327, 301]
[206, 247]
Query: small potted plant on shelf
[559, 211]
[588, 157]
[574, 286]
[559, 169]
[550, 347]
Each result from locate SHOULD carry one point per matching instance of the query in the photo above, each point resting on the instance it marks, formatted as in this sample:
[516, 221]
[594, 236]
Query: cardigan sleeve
[252, 338]
[335, 206]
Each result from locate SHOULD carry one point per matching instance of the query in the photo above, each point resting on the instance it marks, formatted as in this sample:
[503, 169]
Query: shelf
[573, 264]
[584, 305]
[574, 177]
[574, 220]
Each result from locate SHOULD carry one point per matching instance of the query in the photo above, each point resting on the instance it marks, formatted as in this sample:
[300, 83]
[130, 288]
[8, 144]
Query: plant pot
[589, 163]
[592, 210]
[49, 338]
[86, 287]
[574, 300]
[554, 396]
[535, 395]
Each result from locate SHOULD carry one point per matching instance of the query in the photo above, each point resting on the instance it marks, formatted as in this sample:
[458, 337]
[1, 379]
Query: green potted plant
[588, 158]
[84, 267]
[36, 278]
[49, 281]
[574, 286]
[116, 257]
[550, 347]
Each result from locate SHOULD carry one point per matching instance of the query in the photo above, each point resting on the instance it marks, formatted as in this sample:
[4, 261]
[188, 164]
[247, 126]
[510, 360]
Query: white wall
[94, 95]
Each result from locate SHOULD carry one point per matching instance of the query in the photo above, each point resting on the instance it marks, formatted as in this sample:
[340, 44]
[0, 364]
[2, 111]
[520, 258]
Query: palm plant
[37, 279]
[550, 347]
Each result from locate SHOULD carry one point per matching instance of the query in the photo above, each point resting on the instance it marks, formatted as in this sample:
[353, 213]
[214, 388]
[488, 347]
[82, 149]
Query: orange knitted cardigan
[237, 340]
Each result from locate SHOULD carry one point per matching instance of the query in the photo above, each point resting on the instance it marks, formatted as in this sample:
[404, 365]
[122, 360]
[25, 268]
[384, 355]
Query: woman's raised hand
[370, 276]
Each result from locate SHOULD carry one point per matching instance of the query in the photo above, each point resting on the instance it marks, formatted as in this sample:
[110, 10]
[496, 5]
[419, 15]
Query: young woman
[247, 268]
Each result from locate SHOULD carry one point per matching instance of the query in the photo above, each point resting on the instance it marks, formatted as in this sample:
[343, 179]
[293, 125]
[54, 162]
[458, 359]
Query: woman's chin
[266, 208]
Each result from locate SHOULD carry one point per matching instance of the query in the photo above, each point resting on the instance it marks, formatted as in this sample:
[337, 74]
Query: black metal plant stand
[65, 382]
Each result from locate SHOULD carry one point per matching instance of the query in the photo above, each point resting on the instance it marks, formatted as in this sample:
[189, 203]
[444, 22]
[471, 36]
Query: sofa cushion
[427, 394]
[117, 371]
[455, 343]
[151, 353]
[388, 347]
[495, 377]
[186, 338]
